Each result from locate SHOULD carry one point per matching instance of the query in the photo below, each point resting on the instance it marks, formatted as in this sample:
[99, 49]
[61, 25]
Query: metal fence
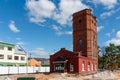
[19, 70]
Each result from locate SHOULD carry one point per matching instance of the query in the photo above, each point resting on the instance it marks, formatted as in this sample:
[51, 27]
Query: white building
[11, 55]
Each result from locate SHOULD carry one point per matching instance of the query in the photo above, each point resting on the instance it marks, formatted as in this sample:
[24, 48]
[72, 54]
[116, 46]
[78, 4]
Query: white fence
[25, 69]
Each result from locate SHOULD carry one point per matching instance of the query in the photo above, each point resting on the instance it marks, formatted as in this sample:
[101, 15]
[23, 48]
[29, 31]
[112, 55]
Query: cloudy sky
[42, 27]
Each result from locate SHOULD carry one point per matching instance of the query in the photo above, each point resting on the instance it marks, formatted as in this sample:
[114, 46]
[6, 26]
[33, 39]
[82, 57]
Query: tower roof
[87, 10]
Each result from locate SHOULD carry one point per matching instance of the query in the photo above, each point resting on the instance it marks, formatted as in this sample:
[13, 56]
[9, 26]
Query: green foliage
[110, 58]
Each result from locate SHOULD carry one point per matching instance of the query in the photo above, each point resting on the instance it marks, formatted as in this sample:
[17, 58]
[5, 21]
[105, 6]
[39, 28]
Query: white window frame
[83, 65]
[88, 66]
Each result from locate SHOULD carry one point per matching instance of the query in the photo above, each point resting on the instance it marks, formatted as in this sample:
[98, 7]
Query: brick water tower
[85, 34]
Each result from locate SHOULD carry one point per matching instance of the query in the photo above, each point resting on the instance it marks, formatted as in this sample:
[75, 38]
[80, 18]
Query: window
[16, 57]
[71, 67]
[80, 21]
[80, 42]
[1, 56]
[93, 66]
[22, 58]
[88, 66]
[92, 21]
[1, 48]
[9, 57]
[10, 48]
[83, 63]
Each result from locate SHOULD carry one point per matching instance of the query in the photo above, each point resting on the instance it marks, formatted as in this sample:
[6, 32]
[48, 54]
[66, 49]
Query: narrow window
[71, 67]
[80, 21]
[16, 57]
[9, 57]
[88, 66]
[22, 58]
[1, 56]
[83, 65]
[80, 42]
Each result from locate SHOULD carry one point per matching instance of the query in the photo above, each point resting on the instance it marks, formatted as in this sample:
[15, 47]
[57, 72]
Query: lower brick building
[68, 61]
[84, 57]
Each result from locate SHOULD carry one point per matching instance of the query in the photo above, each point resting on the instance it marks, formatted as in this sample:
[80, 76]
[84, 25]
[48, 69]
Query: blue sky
[42, 27]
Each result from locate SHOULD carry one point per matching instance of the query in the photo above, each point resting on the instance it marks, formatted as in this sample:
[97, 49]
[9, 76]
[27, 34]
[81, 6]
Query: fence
[19, 70]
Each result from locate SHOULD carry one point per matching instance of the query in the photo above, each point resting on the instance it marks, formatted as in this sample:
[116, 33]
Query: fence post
[39, 69]
[33, 69]
[45, 69]
[26, 69]
[8, 70]
[18, 69]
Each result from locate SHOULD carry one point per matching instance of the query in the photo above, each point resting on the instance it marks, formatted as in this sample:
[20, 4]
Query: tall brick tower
[85, 34]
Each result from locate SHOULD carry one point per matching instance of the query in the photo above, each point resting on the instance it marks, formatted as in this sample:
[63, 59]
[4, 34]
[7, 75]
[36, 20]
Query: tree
[118, 55]
[111, 57]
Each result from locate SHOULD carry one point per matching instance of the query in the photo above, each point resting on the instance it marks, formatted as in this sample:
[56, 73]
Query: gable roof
[63, 51]
[19, 50]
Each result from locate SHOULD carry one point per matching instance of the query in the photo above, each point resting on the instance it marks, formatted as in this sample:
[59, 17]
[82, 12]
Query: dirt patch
[60, 76]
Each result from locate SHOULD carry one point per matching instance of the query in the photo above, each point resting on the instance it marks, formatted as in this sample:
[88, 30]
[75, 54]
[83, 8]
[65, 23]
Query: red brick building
[84, 57]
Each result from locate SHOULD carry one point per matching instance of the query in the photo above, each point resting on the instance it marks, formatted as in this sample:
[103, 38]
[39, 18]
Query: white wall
[25, 69]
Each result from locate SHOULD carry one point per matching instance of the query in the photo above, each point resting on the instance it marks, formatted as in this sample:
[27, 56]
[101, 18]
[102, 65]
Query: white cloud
[109, 4]
[118, 35]
[110, 33]
[60, 31]
[66, 9]
[20, 43]
[109, 13]
[40, 9]
[40, 52]
[115, 40]
[56, 28]
[99, 28]
[64, 32]
[68, 32]
[13, 27]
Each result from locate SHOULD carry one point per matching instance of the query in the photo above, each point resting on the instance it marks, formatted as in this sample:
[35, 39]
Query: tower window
[80, 21]
[80, 42]
[92, 21]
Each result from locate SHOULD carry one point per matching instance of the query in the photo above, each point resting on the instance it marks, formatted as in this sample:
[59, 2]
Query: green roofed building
[12, 55]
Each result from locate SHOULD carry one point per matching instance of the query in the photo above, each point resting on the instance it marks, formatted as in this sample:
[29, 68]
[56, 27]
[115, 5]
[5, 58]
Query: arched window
[88, 66]
[80, 42]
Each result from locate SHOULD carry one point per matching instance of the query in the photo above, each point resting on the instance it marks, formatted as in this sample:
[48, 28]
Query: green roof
[6, 44]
